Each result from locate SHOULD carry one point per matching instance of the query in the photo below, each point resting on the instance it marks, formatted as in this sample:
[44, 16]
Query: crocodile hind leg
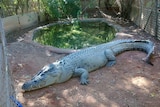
[83, 73]
[111, 58]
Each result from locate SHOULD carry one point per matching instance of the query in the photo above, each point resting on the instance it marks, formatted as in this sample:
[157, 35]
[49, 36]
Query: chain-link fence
[6, 85]
[146, 14]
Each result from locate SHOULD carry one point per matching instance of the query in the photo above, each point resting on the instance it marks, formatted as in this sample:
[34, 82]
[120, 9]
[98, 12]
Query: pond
[75, 35]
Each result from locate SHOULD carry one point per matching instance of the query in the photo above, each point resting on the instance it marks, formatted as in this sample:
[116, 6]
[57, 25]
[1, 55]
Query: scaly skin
[84, 61]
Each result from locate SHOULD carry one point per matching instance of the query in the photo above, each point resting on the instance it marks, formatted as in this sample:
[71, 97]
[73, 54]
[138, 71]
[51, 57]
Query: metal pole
[6, 77]
[5, 62]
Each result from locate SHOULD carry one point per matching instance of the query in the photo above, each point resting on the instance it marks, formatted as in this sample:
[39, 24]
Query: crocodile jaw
[47, 76]
[34, 84]
[41, 82]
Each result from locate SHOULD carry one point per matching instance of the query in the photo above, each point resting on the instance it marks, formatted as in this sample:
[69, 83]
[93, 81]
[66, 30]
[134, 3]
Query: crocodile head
[48, 75]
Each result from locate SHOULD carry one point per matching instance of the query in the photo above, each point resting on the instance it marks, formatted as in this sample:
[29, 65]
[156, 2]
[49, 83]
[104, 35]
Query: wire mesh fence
[146, 14]
[6, 85]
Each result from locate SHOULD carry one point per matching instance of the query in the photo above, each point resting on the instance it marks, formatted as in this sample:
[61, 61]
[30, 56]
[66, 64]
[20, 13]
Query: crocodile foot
[111, 63]
[84, 82]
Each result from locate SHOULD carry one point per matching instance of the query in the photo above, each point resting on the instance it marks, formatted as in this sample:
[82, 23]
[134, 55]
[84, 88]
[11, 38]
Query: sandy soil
[130, 83]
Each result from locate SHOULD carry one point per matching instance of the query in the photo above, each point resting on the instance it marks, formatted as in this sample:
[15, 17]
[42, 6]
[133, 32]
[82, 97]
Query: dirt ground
[129, 83]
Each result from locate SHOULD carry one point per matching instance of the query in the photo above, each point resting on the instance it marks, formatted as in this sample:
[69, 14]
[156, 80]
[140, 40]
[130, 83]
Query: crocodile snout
[26, 86]
[33, 84]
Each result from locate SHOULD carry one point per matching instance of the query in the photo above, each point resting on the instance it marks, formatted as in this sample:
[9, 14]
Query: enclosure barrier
[146, 14]
[6, 86]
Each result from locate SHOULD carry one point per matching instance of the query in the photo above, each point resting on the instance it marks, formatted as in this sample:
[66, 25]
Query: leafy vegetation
[14, 7]
[76, 35]
[56, 9]
[53, 8]
[62, 8]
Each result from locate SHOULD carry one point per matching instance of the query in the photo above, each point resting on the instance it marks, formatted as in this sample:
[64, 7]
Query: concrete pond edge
[30, 35]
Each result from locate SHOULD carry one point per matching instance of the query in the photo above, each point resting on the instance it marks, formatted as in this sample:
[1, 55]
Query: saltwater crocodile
[84, 61]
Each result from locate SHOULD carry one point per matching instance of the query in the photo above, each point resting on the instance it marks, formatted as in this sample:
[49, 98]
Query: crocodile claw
[84, 82]
[111, 63]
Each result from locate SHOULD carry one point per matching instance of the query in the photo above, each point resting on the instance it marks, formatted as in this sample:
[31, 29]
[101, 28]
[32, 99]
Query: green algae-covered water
[76, 35]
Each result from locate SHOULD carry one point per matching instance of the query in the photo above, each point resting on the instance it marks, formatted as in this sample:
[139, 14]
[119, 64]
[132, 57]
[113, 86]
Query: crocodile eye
[62, 62]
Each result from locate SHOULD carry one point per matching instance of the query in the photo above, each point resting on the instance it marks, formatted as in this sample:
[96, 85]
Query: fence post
[156, 27]
[6, 88]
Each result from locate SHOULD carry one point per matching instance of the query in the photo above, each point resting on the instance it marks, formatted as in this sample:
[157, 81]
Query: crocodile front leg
[111, 58]
[83, 73]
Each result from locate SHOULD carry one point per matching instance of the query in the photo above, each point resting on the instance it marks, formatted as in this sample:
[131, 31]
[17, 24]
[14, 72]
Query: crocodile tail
[149, 50]
[132, 44]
